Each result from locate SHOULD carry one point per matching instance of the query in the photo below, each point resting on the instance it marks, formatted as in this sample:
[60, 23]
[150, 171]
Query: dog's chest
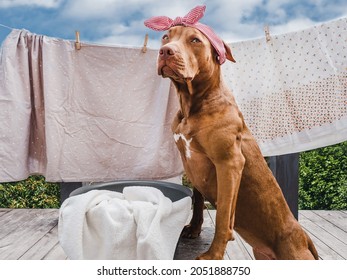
[184, 144]
[186, 136]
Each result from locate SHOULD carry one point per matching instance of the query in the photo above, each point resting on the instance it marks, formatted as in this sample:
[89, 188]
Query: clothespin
[77, 43]
[144, 49]
[267, 33]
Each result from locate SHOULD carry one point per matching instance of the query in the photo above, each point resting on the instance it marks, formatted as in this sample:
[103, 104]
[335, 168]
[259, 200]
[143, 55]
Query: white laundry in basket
[140, 223]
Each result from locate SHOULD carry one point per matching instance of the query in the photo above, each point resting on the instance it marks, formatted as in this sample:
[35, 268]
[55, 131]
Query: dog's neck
[194, 94]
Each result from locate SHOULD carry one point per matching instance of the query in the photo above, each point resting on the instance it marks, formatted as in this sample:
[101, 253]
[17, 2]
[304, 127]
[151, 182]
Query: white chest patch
[186, 142]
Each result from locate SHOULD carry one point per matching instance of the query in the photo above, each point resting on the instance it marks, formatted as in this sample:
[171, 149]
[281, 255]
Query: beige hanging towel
[96, 114]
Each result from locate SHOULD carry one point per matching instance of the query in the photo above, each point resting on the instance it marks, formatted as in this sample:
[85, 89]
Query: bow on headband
[162, 23]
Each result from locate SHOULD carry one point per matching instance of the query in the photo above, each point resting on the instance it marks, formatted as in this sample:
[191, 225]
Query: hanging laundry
[292, 89]
[102, 113]
[96, 114]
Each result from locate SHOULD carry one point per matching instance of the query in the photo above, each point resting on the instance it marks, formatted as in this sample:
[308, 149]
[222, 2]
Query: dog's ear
[229, 56]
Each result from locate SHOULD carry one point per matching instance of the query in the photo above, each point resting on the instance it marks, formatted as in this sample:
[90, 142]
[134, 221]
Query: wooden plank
[25, 233]
[336, 237]
[56, 253]
[324, 252]
[212, 217]
[189, 249]
[3, 211]
[323, 241]
[335, 232]
[13, 220]
[38, 223]
[337, 218]
[237, 249]
[43, 246]
[33, 234]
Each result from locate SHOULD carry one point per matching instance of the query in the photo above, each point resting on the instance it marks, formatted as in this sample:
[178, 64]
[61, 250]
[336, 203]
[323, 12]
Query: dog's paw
[190, 232]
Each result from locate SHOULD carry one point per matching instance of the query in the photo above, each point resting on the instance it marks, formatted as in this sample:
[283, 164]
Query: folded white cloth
[140, 223]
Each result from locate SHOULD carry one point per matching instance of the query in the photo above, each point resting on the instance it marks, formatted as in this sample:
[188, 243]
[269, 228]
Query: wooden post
[286, 171]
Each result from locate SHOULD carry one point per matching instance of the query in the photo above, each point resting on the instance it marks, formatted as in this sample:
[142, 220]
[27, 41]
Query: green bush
[33, 192]
[323, 178]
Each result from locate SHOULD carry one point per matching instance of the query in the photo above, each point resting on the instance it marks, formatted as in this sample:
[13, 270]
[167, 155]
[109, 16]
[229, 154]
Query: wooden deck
[28, 234]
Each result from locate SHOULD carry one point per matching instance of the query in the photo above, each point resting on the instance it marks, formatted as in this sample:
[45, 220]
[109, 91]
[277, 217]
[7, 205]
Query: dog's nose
[166, 52]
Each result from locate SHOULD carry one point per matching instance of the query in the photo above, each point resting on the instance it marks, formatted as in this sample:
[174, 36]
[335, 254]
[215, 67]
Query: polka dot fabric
[292, 89]
[97, 114]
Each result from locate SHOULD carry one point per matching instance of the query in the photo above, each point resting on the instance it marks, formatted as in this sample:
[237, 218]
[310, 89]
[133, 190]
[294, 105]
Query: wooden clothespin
[144, 49]
[78, 42]
[267, 33]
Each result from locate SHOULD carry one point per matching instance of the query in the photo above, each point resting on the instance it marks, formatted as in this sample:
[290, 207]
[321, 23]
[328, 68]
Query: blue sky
[120, 22]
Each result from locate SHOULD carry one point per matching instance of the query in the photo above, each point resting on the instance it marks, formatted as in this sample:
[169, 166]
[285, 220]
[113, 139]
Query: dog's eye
[165, 37]
[195, 40]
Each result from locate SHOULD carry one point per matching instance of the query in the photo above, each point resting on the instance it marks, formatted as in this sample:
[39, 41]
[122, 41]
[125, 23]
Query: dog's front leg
[193, 230]
[229, 174]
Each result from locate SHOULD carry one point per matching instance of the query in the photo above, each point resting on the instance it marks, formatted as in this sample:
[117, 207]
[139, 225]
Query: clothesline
[5, 26]
[144, 48]
[95, 115]
[78, 44]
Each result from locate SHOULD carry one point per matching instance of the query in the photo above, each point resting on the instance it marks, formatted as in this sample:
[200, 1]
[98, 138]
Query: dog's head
[186, 54]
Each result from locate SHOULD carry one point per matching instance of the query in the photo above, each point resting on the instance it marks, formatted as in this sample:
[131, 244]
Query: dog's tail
[311, 247]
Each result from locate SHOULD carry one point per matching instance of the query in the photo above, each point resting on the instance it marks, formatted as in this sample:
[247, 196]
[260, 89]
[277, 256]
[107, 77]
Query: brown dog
[222, 159]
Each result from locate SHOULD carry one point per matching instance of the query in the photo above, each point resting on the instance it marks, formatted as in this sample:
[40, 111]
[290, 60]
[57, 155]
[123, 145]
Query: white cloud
[121, 21]
[40, 3]
[89, 9]
[122, 9]
[232, 20]
[226, 18]
[120, 34]
[292, 26]
[176, 8]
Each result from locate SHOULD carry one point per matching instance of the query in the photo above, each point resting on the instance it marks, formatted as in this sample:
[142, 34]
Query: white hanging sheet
[292, 90]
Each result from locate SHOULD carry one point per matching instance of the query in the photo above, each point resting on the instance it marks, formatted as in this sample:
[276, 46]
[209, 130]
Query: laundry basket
[139, 224]
[172, 191]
